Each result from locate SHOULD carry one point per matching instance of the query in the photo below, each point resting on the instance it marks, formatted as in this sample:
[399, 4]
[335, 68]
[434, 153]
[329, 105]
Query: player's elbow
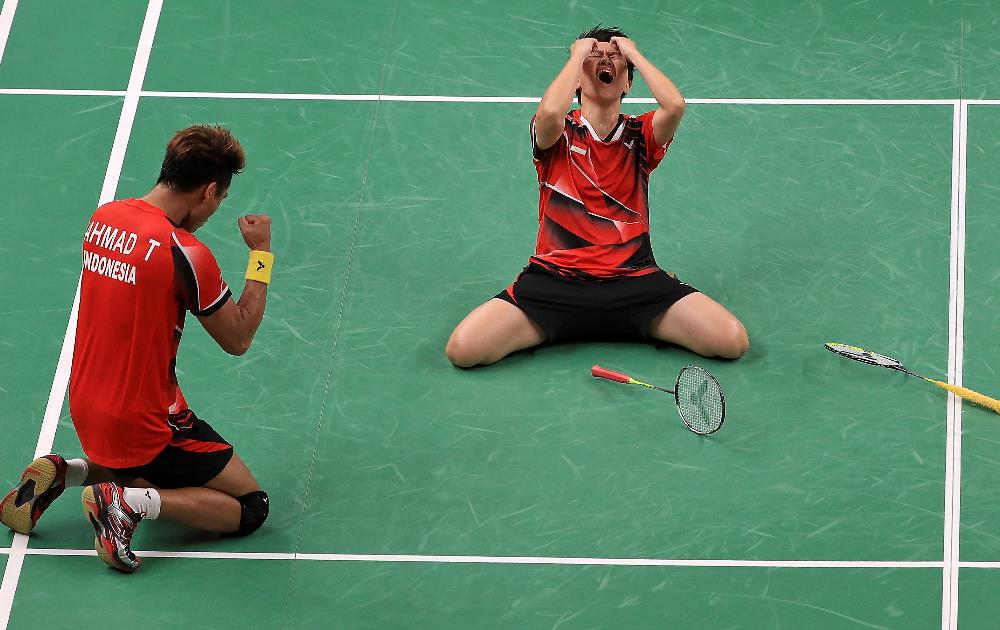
[237, 347]
[548, 110]
[675, 108]
[548, 117]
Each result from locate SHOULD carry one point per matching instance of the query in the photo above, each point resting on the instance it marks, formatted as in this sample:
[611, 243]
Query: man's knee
[459, 352]
[734, 342]
[254, 508]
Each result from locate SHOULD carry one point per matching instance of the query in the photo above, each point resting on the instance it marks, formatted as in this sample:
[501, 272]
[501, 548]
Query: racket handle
[968, 394]
[599, 372]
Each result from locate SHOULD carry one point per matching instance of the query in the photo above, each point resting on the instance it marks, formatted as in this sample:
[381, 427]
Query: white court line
[204, 555]
[416, 98]
[956, 336]
[419, 98]
[50, 92]
[46, 436]
[953, 465]
[431, 559]
[6, 20]
[969, 564]
[635, 562]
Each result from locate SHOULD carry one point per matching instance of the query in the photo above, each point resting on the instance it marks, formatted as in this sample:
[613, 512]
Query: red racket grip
[599, 372]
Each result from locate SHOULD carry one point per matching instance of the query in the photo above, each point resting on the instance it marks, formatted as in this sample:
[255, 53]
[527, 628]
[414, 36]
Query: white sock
[145, 501]
[76, 472]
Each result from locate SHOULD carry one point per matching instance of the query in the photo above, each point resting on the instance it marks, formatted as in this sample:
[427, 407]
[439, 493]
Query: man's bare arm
[234, 325]
[551, 114]
[667, 118]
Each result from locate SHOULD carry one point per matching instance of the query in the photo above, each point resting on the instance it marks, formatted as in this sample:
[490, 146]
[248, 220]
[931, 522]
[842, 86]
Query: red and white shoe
[114, 524]
[42, 482]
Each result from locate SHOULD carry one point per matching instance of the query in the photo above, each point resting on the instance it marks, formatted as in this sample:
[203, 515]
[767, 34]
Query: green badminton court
[834, 179]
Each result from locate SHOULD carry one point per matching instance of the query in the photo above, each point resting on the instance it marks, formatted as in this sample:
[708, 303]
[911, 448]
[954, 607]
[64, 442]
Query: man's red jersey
[140, 274]
[593, 206]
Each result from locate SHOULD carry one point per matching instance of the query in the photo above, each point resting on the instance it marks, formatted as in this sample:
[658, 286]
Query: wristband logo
[259, 266]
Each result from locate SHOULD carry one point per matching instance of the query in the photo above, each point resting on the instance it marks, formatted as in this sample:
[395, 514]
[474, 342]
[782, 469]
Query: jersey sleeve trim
[201, 268]
[216, 305]
[538, 153]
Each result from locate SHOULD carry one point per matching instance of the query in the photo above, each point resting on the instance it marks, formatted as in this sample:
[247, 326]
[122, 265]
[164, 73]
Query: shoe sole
[92, 510]
[17, 507]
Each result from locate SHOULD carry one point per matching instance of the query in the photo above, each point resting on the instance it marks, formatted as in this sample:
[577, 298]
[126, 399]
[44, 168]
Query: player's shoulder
[633, 125]
[133, 213]
[636, 120]
[577, 125]
[186, 240]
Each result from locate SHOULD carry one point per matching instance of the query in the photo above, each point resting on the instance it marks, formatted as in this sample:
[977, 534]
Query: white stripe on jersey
[197, 289]
[564, 193]
[225, 289]
[619, 128]
[584, 173]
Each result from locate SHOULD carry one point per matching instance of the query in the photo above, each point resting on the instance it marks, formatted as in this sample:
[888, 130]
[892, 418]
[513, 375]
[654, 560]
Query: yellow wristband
[259, 266]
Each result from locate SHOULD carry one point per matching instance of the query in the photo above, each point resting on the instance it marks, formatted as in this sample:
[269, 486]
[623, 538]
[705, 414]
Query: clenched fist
[256, 231]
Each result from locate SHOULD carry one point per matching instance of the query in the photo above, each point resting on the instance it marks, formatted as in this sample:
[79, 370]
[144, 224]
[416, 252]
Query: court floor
[833, 180]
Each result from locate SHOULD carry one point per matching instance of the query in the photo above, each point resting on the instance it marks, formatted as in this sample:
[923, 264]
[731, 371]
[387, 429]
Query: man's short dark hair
[199, 155]
[604, 34]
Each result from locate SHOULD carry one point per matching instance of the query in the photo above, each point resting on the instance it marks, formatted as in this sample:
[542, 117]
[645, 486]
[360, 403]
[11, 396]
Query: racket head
[700, 401]
[864, 356]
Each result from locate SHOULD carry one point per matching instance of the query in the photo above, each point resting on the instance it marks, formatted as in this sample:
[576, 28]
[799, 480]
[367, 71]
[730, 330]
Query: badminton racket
[881, 360]
[697, 394]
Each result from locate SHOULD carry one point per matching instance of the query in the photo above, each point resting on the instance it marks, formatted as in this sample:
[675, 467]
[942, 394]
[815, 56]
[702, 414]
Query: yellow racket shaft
[968, 394]
[632, 381]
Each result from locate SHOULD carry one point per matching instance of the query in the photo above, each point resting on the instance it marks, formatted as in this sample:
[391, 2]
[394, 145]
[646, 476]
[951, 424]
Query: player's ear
[211, 189]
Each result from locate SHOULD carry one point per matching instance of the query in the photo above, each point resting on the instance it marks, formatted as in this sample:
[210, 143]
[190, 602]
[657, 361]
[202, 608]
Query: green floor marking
[302, 170]
[979, 77]
[489, 596]
[69, 139]
[980, 536]
[534, 457]
[978, 608]
[62, 44]
[314, 47]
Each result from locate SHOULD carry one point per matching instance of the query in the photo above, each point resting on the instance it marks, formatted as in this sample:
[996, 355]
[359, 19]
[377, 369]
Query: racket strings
[862, 355]
[700, 400]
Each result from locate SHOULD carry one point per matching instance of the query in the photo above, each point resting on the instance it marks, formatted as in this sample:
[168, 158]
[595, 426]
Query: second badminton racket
[881, 360]
[697, 394]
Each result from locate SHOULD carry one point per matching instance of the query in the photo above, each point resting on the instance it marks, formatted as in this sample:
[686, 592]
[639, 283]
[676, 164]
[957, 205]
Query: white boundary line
[46, 436]
[617, 562]
[956, 337]
[951, 562]
[50, 92]
[421, 98]
[6, 20]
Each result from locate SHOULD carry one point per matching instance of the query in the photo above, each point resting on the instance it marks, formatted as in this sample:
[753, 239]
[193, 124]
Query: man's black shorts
[195, 455]
[585, 308]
